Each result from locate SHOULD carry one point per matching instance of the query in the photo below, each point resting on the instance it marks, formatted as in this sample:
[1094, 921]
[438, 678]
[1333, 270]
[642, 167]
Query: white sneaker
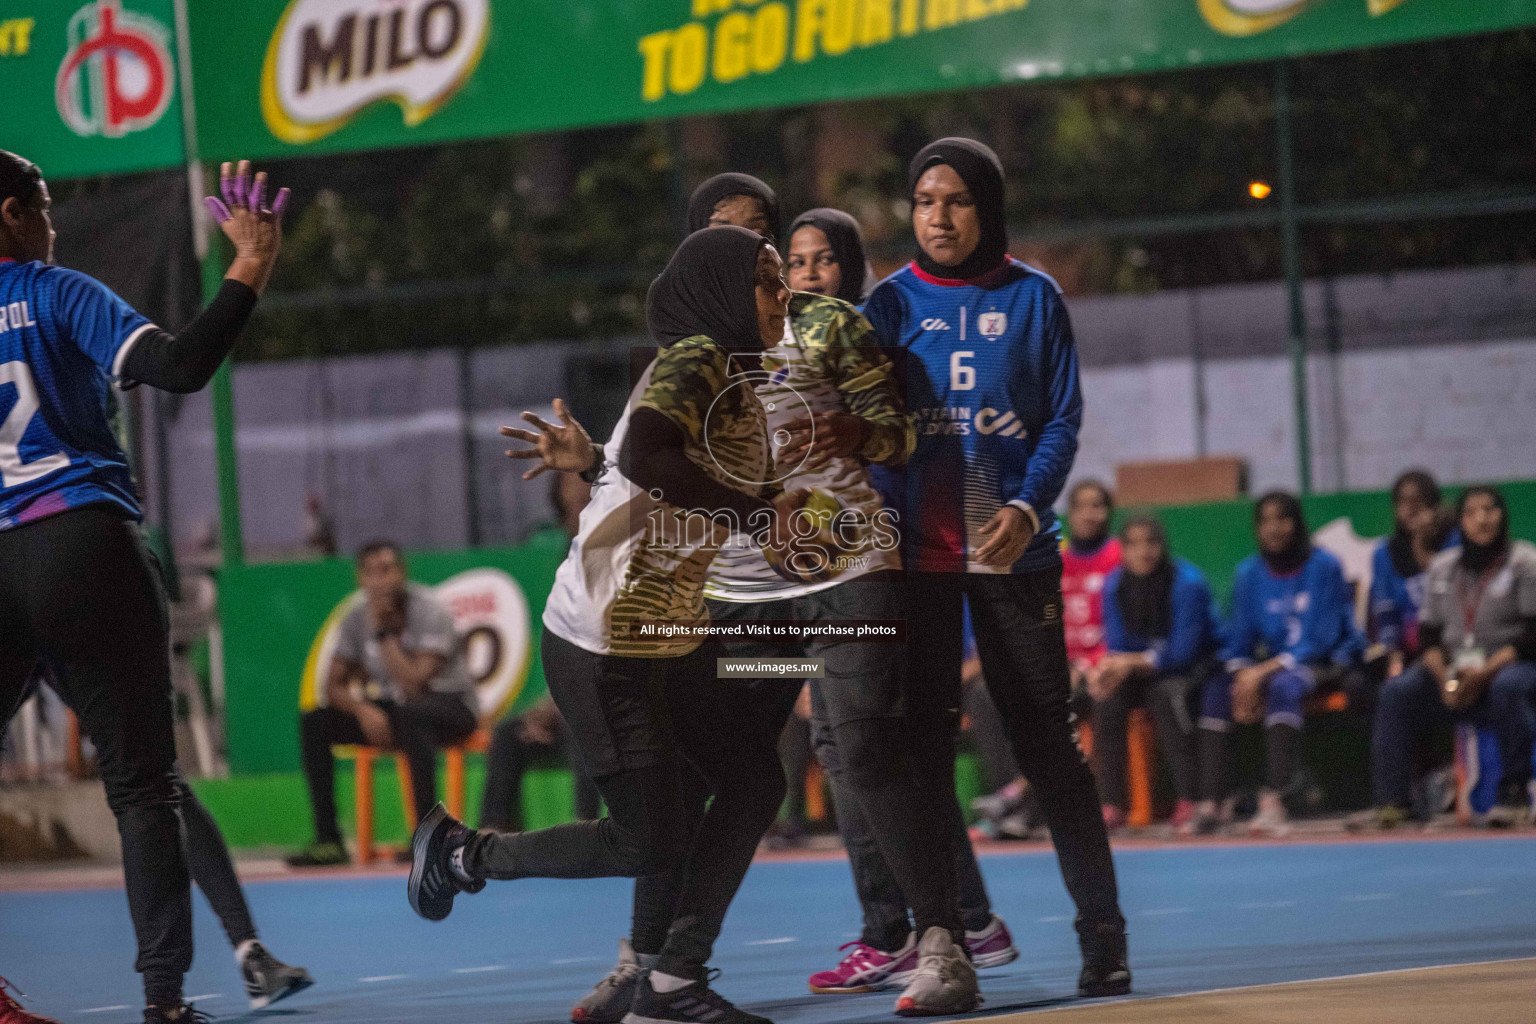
[945, 981]
[611, 999]
[1272, 819]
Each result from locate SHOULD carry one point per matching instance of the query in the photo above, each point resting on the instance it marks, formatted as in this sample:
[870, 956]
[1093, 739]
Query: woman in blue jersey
[1161, 634]
[1291, 631]
[78, 591]
[1421, 529]
[992, 390]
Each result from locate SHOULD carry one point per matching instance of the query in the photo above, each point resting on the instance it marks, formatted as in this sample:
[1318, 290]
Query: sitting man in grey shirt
[398, 647]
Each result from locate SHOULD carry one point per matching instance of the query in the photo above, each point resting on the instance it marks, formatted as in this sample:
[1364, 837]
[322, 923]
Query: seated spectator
[1089, 556]
[1477, 629]
[1292, 631]
[1422, 528]
[398, 648]
[1160, 628]
[536, 737]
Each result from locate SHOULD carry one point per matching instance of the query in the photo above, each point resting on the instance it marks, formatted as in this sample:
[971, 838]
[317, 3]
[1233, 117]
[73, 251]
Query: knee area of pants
[1287, 688]
[641, 855]
[870, 748]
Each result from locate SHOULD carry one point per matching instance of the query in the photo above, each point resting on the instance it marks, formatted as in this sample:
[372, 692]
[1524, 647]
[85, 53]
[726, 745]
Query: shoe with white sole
[992, 946]
[268, 979]
[611, 999]
[867, 969]
[944, 982]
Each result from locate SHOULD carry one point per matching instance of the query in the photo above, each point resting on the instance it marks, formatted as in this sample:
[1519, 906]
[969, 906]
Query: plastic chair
[364, 757]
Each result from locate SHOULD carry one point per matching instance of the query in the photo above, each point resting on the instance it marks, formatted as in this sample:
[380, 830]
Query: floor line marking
[575, 960]
[1164, 912]
[1266, 905]
[204, 999]
[479, 970]
[770, 942]
[384, 977]
[1095, 1005]
[1053, 918]
[1366, 897]
[107, 1009]
[1469, 892]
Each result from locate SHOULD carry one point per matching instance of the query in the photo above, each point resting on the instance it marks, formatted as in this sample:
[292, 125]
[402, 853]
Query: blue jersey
[1396, 599]
[993, 394]
[1304, 618]
[63, 339]
[1194, 630]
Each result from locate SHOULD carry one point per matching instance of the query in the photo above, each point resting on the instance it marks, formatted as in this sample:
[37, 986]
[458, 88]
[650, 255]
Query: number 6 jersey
[992, 391]
[63, 340]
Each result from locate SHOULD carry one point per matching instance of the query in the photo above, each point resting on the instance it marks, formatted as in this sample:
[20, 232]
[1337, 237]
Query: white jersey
[799, 381]
[636, 560]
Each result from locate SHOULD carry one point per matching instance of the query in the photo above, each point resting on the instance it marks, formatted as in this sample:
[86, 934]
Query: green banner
[278, 620]
[90, 87]
[286, 77]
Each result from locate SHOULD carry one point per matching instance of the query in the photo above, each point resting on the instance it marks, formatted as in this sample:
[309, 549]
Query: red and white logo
[116, 76]
[992, 325]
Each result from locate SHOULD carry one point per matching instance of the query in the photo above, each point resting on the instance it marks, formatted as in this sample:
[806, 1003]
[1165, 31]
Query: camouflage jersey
[637, 561]
[829, 361]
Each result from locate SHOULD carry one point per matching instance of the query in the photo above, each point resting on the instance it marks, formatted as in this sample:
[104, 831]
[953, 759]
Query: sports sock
[665, 983]
[244, 950]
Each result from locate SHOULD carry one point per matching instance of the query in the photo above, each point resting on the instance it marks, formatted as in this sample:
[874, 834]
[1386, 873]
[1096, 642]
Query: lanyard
[1471, 602]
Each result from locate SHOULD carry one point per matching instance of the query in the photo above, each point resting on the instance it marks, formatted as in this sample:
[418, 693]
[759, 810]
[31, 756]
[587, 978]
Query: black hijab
[723, 186]
[708, 288]
[1146, 602]
[847, 243]
[1296, 553]
[1400, 544]
[1477, 558]
[982, 173]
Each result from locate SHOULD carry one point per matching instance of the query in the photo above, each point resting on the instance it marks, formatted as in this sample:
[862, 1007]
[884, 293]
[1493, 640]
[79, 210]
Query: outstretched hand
[567, 447]
[255, 228]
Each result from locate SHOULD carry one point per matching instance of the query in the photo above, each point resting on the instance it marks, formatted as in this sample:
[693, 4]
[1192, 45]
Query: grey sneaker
[945, 981]
[268, 979]
[611, 999]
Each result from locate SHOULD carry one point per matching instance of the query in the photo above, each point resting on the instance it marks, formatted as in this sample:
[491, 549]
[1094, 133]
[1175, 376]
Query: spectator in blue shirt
[1160, 628]
[1291, 631]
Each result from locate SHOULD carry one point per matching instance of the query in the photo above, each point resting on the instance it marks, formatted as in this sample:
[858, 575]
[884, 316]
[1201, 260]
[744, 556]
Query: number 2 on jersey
[13, 472]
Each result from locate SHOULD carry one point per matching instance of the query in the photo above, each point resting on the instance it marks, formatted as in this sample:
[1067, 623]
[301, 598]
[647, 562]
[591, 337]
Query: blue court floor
[1201, 917]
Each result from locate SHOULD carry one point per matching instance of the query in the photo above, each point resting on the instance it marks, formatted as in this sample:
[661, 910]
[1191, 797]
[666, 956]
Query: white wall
[1465, 412]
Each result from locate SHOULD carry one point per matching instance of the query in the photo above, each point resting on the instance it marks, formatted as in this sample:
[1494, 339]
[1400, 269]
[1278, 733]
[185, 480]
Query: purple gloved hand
[242, 190]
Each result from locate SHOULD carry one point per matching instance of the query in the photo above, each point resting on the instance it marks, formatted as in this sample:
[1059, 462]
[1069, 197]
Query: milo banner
[286, 77]
[280, 625]
[90, 86]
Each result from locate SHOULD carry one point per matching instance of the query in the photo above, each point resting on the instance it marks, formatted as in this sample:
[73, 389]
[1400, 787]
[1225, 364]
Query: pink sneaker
[992, 946]
[867, 969]
[1184, 815]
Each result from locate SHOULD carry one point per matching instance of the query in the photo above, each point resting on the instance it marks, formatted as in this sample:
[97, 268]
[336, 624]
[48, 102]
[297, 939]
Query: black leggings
[660, 736]
[78, 592]
[1168, 701]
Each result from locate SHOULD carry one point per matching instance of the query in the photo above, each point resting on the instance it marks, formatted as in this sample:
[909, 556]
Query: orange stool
[1141, 750]
[364, 757]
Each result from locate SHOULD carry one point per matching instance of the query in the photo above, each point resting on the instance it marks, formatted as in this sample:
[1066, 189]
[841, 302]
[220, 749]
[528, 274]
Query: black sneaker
[694, 1004]
[183, 1014]
[1105, 971]
[318, 855]
[268, 979]
[433, 885]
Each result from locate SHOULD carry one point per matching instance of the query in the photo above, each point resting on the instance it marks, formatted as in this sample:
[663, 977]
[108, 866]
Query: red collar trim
[6, 259]
[980, 280]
